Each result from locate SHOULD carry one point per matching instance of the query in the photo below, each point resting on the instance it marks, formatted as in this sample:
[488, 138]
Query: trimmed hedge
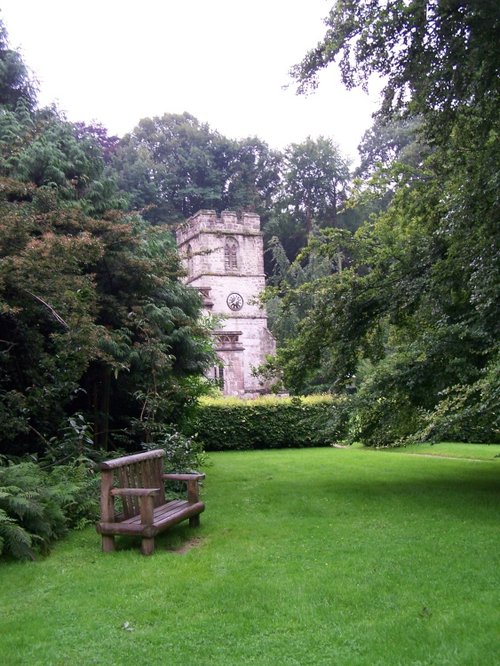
[232, 424]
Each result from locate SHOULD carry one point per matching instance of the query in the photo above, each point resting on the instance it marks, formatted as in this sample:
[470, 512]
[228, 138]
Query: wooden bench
[139, 481]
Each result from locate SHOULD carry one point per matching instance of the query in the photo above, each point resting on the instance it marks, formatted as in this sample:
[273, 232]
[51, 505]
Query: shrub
[466, 413]
[267, 423]
[182, 453]
[38, 505]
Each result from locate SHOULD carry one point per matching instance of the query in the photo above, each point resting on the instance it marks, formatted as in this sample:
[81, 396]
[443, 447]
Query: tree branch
[56, 316]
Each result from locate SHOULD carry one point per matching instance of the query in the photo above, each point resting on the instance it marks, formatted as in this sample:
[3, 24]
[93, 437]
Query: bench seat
[164, 516]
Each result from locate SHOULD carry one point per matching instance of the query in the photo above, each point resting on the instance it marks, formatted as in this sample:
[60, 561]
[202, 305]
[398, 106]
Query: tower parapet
[228, 222]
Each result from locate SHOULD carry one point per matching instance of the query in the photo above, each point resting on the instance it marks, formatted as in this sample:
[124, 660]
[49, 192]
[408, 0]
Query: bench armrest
[145, 496]
[135, 492]
[193, 488]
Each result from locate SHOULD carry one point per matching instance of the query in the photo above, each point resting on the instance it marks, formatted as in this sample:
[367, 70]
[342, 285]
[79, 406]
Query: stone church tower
[224, 260]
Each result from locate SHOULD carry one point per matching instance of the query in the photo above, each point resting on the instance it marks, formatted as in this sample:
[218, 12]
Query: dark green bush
[466, 412]
[267, 423]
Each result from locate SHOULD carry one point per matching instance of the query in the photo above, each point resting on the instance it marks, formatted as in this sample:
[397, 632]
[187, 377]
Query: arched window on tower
[231, 254]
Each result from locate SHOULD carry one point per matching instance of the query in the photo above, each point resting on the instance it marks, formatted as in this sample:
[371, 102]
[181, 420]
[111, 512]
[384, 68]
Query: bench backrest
[142, 470]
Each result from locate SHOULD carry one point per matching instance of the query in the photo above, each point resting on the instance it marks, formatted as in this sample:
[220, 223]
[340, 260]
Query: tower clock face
[234, 301]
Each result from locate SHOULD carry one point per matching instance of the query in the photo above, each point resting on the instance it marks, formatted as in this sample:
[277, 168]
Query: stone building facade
[223, 256]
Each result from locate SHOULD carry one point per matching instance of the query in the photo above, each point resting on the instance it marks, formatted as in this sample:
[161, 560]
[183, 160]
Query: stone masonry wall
[223, 255]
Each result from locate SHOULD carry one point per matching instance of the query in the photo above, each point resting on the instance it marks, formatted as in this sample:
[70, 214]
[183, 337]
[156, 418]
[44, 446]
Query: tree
[97, 135]
[47, 330]
[415, 317]
[292, 298]
[174, 166]
[437, 57]
[316, 176]
[16, 84]
[93, 316]
[253, 177]
[310, 194]
[388, 142]
[43, 148]
[155, 349]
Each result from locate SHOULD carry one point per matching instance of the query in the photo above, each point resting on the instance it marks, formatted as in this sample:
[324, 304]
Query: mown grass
[313, 556]
[455, 450]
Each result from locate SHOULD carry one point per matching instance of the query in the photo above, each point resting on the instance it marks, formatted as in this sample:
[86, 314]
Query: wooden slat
[162, 511]
[151, 467]
[128, 460]
[137, 492]
[127, 480]
[135, 475]
[183, 477]
[123, 483]
[157, 475]
[179, 515]
[119, 528]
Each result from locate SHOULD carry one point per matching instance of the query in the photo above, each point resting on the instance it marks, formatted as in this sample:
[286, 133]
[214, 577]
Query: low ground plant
[313, 556]
[38, 504]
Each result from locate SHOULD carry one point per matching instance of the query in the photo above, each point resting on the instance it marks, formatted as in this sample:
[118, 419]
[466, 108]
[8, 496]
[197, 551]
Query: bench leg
[194, 521]
[108, 544]
[147, 546]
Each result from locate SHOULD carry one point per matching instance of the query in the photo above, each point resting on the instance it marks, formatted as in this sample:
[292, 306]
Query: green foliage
[411, 322]
[315, 175]
[289, 297]
[436, 57]
[267, 423]
[466, 412]
[93, 318]
[47, 296]
[95, 325]
[182, 453]
[75, 442]
[38, 506]
[312, 192]
[42, 148]
[384, 410]
[173, 165]
[16, 84]
[408, 302]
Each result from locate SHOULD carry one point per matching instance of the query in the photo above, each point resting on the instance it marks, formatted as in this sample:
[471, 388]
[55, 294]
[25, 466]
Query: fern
[14, 539]
[38, 506]
[23, 513]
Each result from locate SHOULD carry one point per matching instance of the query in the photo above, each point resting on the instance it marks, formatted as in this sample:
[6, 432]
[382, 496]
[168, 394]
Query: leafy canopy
[412, 321]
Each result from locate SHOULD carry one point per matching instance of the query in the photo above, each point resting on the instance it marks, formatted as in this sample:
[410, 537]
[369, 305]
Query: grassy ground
[454, 450]
[305, 557]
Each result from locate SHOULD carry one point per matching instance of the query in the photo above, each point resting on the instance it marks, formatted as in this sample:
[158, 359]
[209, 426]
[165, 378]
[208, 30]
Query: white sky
[223, 61]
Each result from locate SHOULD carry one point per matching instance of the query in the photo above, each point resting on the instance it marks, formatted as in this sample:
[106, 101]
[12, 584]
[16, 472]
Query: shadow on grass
[459, 493]
[178, 539]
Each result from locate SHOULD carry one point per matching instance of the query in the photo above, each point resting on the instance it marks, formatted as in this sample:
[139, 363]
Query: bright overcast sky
[223, 61]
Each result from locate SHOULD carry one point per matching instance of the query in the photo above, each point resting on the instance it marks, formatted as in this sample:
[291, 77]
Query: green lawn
[455, 450]
[306, 557]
